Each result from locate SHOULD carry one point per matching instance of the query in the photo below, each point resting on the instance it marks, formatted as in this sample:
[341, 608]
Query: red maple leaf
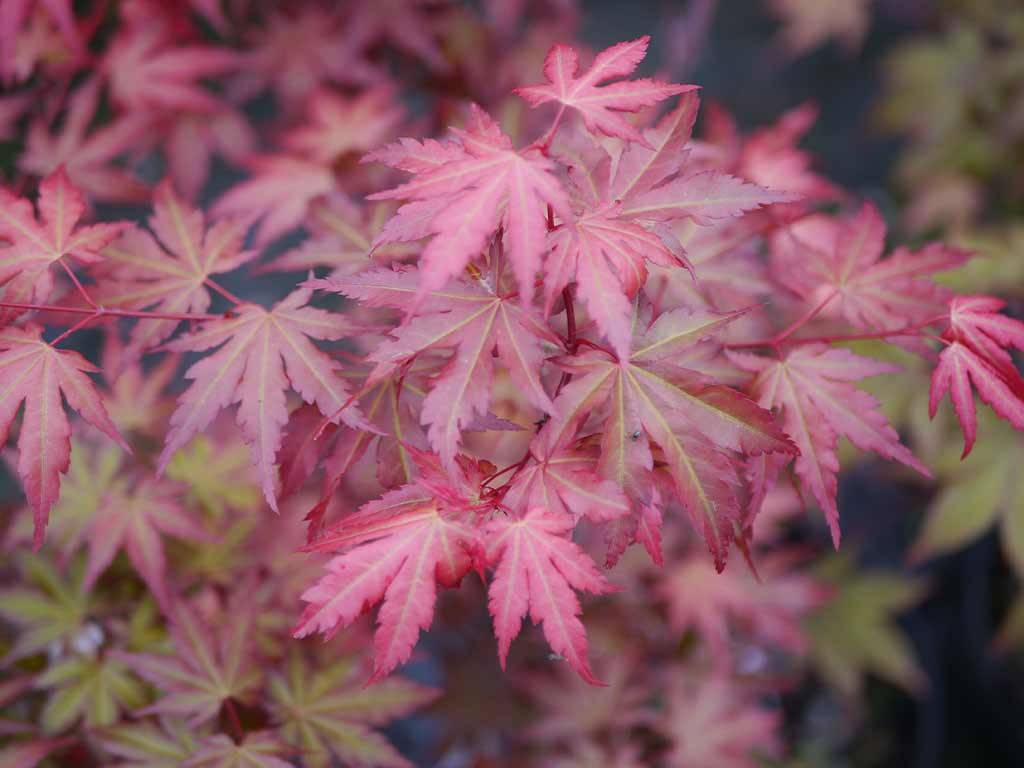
[813, 387]
[35, 373]
[395, 550]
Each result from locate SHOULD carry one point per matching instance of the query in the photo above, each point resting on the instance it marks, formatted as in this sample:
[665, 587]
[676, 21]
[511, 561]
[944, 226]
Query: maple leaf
[49, 608]
[88, 155]
[37, 244]
[713, 723]
[476, 316]
[812, 385]
[35, 373]
[470, 188]
[568, 709]
[168, 272]
[342, 239]
[536, 569]
[768, 610]
[147, 71]
[13, 17]
[621, 227]
[337, 125]
[261, 354]
[135, 521]
[599, 104]
[218, 477]
[136, 397]
[565, 480]
[606, 256]
[395, 551]
[93, 690]
[698, 426]
[145, 744]
[326, 711]
[978, 342]
[194, 138]
[977, 494]
[856, 633]
[959, 367]
[277, 194]
[210, 663]
[94, 470]
[824, 258]
[258, 749]
[297, 50]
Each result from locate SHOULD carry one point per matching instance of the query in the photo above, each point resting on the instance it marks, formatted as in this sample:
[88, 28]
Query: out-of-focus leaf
[218, 479]
[984, 490]
[93, 690]
[49, 608]
[148, 745]
[327, 709]
[855, 634]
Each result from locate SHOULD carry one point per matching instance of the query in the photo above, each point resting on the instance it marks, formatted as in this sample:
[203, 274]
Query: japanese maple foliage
[507, 353]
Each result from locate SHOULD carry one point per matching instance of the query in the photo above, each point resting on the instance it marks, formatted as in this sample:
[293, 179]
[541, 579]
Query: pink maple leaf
[38, 244]
[135, 521]
[536, 569]
[36, 374]
[395, 551]
[170, 271]
[476, 317]
[839, 263]
[471, 188]
[89, 155]
[598, 104]
[277, 195]
[262, 354]
[813, 387]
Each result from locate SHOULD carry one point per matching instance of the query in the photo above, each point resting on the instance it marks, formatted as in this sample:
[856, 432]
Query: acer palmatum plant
[572, 331]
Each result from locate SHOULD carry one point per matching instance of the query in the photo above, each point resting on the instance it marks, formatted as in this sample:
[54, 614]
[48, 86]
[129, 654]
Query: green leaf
[52, 608]
[93, 690]
[325, 709]
[218, 479]
[149, 745]
[855, 634]
[984, 490]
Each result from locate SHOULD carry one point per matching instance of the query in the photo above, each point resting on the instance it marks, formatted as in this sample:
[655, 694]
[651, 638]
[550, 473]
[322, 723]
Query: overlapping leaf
[395, 550]
[599, 104]
[536, 569]
[35, 245]
[169, 272]
[699, 427]
[34, 373]
[813, 387]
[476, 317]
[261, 355]
[463, 191]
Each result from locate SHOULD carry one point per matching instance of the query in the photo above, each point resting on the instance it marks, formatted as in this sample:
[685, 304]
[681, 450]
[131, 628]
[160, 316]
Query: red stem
[109, 312]
[804, 319]
[76, 327]
[213, 286]
[74, 279]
